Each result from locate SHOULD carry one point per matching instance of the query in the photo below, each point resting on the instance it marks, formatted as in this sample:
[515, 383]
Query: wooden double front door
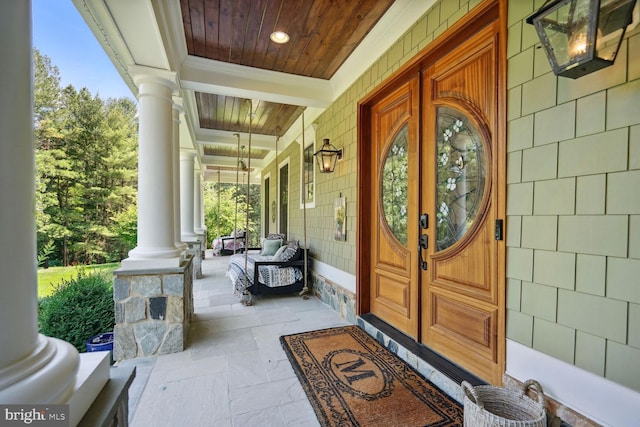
[435, 200]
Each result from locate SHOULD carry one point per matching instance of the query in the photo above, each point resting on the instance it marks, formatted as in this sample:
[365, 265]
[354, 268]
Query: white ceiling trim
[217, 137]
[229, 177]
[229, 162]
[222, 78]
[100, 21]
[138, 17]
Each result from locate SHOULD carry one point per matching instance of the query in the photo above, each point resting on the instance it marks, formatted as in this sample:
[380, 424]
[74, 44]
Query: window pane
[394, 185]
[308, 174]
[461, 175]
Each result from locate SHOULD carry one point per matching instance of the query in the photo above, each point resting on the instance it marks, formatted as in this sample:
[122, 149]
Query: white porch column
[34, 369]
[198, 223]
[186, 196]
[156, 240]
[177, 109]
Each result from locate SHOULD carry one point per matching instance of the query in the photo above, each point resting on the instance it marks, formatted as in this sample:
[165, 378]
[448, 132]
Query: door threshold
[441, 371]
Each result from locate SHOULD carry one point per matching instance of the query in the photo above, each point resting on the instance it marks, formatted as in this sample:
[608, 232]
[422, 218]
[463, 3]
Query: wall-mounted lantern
[327, 157]
[581, 36]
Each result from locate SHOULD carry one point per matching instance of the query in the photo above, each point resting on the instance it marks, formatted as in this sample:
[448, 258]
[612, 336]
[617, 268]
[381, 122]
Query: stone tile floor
[234, 371]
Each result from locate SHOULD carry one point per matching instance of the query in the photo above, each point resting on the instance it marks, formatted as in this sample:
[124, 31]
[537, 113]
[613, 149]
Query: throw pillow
[278, 255]
[290, 251]
[270, 247]
[299, 255]
[275, 236]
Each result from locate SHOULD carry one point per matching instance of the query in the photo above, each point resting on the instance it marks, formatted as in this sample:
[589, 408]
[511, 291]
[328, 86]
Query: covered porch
[233, 371]
[566, 288]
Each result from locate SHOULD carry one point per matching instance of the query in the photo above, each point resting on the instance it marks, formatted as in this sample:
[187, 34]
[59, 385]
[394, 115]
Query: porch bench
[267, 274]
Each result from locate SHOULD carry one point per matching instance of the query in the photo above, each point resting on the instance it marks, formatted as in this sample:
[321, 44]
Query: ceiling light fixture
[279, 37]
[242, 165]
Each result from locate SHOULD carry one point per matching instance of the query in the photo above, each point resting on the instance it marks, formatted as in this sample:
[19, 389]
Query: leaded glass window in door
[461, 174]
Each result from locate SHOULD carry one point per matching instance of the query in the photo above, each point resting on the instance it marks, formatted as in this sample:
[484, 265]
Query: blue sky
[60, 33]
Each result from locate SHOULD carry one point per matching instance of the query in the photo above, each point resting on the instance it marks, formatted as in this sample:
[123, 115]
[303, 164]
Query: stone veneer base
[196, 250]
[337, 297]
[153, 310]
[557, 413]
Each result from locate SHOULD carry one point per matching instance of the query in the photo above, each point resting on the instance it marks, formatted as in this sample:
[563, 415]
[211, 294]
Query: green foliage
[78, 309]
[125, 227]
[86, 168]
[220, 210]
[49, 279]
[44, 253]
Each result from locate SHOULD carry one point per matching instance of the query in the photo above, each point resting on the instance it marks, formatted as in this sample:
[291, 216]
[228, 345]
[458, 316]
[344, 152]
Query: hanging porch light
[327, 157]
[242, 165]
[581, 36]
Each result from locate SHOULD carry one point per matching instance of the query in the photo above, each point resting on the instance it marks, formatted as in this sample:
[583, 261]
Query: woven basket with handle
[487, 405]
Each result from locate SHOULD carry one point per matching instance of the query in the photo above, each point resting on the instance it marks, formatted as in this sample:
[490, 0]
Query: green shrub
[78, 309]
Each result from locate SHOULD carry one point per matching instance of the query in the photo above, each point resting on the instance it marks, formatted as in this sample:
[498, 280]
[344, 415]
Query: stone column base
[195, 249]
[153, 310]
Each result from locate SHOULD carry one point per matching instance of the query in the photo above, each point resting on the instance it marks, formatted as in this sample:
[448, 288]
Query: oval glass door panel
[461, 174]
[395, 184]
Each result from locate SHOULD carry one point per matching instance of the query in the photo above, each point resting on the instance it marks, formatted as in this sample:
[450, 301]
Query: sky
[60, 33]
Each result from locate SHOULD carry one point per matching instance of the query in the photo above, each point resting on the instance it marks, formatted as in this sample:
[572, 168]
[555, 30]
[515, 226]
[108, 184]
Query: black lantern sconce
[327, 157]
[581, 36]
[242, 165]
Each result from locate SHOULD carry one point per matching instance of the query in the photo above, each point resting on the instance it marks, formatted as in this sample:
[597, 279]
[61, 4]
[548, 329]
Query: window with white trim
[308, 167]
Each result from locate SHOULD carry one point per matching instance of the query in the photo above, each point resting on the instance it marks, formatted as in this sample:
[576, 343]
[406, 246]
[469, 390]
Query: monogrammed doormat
[351, 380]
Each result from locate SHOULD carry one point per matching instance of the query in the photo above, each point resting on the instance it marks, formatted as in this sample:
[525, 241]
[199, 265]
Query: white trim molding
[597, 398]
[339, 277]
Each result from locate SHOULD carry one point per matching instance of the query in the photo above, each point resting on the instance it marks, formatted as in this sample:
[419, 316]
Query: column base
[188, 237]
[93, 375]
[150, 264]
[153, 310]
[47, 375]
[182, 247]
[80, 378]
[143, 258]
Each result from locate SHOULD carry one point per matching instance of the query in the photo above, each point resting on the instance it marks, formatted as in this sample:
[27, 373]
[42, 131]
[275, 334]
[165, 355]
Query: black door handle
[423, 243]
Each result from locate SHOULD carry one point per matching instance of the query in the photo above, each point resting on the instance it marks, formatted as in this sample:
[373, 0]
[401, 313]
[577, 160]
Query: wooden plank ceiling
[323, 34]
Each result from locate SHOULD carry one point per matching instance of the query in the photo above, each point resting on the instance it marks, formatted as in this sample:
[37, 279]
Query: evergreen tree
[86, 162]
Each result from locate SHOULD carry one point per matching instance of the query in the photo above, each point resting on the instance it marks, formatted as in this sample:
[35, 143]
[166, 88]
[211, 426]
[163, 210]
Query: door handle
[423, 243]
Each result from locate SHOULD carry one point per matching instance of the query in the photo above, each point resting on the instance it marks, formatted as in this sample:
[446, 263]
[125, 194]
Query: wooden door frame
[481, 16]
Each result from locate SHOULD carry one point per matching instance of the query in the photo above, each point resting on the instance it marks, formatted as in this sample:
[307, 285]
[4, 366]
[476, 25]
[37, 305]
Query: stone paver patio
[233, 371]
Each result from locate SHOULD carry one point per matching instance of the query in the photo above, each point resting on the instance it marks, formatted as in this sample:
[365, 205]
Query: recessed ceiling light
[279, 37]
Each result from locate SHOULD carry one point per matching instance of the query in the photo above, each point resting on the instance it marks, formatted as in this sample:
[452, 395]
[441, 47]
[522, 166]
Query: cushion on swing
[270, 247]
[290, 251]
[278, 255]
[276, 236]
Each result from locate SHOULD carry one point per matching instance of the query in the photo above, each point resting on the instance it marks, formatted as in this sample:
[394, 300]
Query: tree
[86, 163]
[224, 213]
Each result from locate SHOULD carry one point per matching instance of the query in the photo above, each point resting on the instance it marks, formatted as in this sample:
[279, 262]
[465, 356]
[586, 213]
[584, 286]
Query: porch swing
[236, 242]
[280, 267]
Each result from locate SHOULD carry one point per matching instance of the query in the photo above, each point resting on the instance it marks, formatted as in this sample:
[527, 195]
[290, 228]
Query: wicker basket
[495, 406]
